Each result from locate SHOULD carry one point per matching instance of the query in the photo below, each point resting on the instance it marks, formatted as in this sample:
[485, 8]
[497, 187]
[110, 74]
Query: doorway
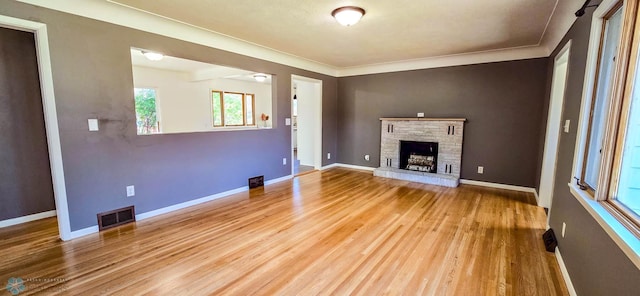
[306, 127]
[554, 122]
[49, 115]
[26, 189]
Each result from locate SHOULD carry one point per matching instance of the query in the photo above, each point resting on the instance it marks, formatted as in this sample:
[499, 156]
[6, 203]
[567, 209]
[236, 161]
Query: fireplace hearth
[419, 156]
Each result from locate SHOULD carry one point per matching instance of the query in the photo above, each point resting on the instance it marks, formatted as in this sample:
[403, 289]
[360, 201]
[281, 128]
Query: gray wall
[93, 79]
[595, 263]
[501, 101]
[25, 176]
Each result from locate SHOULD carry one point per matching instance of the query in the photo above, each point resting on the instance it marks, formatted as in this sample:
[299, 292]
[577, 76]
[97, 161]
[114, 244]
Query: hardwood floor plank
[333, 232]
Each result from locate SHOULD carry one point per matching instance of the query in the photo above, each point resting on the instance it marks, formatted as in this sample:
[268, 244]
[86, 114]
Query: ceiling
[392, 36]
[390, 30]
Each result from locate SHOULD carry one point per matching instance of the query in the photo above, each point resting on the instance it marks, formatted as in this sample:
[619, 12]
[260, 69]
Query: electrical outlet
[421, 114]
[328, 155]
[480, 170]
[366, 157]
[567, 124]
[284, 161]
[131, 191]
[564, 228]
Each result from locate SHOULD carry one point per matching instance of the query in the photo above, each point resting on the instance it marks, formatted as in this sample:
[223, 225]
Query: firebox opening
[419, 156]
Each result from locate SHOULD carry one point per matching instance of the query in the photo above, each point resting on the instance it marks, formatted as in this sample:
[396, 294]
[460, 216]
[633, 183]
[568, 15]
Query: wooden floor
[339, 232]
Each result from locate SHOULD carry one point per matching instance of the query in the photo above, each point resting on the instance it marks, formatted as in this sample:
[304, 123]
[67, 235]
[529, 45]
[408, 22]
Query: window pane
[233, 109]
[217, 109]
[249, 106]
[146, 111]
[629, 186]
[603, 91]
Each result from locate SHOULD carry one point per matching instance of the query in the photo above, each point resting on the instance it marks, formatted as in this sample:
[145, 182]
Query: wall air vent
[115, 218]
[256, 182]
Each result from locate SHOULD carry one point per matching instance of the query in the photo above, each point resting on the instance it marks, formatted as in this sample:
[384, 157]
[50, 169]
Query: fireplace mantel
[447, 132]
[421, 119]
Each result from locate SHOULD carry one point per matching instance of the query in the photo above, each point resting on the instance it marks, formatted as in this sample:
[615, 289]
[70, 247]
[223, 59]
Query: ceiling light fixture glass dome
[153, 56]
[260, 77]
[348, 15]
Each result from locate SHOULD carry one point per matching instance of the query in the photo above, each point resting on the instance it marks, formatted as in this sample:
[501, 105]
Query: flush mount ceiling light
[153, 56]
[260, 77]
[348, 15]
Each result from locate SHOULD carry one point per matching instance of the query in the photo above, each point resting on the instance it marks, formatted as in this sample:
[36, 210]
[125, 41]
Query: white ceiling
[390, 30]
[392, 36]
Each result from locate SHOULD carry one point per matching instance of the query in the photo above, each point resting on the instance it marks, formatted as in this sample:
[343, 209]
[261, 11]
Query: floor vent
[550, 242]
[256, 182]
[115, 218]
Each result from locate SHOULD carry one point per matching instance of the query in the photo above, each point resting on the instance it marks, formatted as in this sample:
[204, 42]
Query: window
[233, 109]
[607, 58]
[610, 166]
[147, 121]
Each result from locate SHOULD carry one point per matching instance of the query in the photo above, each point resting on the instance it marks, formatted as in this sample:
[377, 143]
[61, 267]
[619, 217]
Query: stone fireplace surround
[447, 132]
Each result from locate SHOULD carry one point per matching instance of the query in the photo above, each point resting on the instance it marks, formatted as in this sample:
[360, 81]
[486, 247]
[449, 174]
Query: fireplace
[419, 156]
[423, 150]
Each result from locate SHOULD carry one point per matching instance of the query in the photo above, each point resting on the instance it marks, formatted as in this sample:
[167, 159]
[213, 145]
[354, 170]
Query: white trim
[498, 185]
[627, 241]
[500, 55]
[28, 218]
[123, 15]
[169, 209]
[329, 166]
[565, 273]
[553, 130]
[50, 116]
[317, 139]
[589, 83]
[190, 203]
[278, 180]
[351, 166]
[83, 232]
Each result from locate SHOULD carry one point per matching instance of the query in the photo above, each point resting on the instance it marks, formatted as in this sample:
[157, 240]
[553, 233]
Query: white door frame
[50, 116]
[317, 163]
[554, 121]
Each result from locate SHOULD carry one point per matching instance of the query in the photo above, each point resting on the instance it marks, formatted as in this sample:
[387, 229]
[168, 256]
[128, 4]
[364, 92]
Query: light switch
[287, 121]
[567, 124]
[93, 125]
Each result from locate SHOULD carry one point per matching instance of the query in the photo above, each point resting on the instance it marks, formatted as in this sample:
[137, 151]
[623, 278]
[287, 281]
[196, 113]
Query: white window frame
[244, 109]
[621, 235]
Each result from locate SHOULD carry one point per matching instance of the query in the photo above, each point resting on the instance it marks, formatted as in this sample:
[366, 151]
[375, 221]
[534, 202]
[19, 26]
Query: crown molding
[106, 11]
[510, 54]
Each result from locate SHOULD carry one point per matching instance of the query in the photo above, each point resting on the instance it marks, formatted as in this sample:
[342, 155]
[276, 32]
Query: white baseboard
[278, 180]
[326, 167]
[565, 274]
[165, 210]
[349, 166]
[187, 204]
[28, 218]
[83, 232]
[498, 185]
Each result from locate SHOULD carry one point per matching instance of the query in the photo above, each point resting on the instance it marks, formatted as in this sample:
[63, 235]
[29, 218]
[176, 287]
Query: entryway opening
[554, 126]
[306, 127]
[47, 170]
